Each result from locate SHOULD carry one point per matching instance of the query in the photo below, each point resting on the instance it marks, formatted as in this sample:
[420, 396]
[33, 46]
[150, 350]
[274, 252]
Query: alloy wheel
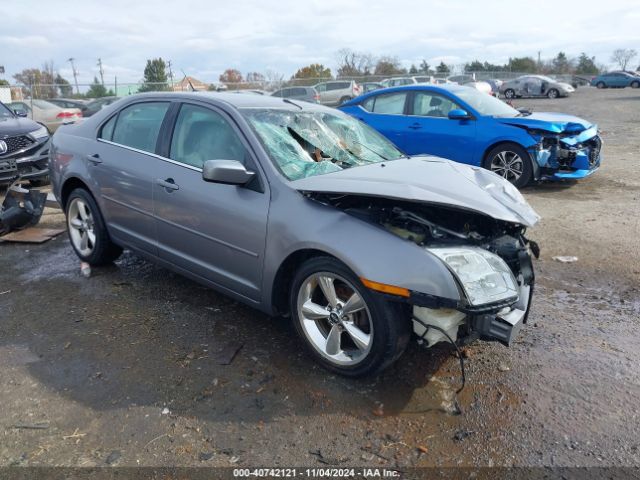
[335, 318]
[81, 227]
[508, 164]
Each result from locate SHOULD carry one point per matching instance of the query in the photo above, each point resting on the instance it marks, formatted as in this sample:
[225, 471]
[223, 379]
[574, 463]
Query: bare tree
[622, 56]
[353, 64]
[273, 79]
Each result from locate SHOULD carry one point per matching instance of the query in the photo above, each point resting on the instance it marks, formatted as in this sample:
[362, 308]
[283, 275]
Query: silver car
[300, 210]
[535, 86]
[337, 92]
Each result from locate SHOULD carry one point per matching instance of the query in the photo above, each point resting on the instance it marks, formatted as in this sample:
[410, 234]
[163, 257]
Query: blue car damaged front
[424, 119]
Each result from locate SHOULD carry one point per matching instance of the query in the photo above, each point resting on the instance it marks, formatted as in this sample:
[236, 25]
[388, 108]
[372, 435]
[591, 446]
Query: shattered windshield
[303, 144]
[486, 105]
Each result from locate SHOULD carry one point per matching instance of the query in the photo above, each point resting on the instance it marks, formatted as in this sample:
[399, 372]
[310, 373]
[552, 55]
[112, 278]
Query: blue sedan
[462, 124]
[616, 80]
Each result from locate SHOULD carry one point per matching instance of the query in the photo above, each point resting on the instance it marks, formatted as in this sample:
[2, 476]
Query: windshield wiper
[286, 100]
[368, 148]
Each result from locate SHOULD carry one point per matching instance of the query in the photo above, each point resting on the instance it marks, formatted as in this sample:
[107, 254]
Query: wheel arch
[69, 185]
[485, 154]
[286, 271]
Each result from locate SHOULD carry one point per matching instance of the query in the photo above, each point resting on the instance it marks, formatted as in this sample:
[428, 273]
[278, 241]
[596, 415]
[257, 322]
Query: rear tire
[87, 231]
[553, 93]
[511, 162]
[371, 332]
[600, 85]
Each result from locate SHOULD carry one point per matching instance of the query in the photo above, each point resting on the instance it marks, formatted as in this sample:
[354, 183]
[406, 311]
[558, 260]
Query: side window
[368, 104]
[106, 132]
[201, 134]
[428, 104]
[277, 94]
[138, 125]
[321, 87]
[390, 103]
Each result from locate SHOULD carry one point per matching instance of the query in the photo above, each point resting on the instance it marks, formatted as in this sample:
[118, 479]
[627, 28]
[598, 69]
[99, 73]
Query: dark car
[69, 103]
[98, 104]
[24, 148]
[307, 94]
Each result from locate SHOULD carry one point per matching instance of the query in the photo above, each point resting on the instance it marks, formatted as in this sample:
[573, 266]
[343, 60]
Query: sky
[204, 37]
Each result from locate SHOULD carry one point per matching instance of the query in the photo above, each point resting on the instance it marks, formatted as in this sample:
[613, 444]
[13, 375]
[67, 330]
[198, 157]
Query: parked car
[69, 103]
[307, 94]
[336, 92]
[24, 149]
[425, 79]
[98, 104]
[465, 125]
[495, 85]
[462, 79]
[535, 86]
[616, 80]
[300, 210]
[398, 81]
[470, 81]
[252, 91]
[371, 86]
[46, 113]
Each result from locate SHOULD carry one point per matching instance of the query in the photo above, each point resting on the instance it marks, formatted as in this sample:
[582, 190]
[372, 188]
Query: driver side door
[212, 231]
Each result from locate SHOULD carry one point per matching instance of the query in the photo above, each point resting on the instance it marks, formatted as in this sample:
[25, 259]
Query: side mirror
[229, 172]
[20, 113]
[458, 114]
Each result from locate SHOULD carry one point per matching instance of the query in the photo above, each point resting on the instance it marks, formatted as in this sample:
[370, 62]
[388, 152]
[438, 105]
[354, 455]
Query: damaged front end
[489, 259]
[567, 155]
[22, 208]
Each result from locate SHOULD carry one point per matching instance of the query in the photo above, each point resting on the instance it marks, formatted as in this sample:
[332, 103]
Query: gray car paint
[236, 240]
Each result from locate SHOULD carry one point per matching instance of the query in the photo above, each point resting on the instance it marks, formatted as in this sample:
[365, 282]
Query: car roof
[452, 88]
[238, 101]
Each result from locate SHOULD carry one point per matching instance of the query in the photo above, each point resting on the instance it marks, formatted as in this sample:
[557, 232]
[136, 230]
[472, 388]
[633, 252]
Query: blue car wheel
[510, 161]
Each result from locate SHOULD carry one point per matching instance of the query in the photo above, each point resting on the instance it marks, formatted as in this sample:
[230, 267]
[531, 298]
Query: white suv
[336, 92]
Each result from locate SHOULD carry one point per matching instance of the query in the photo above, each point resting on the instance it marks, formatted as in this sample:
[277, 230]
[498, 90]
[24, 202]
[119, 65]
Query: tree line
[46, 82]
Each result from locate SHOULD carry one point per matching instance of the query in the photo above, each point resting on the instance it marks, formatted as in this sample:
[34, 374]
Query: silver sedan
[535, 86]
[300, 210]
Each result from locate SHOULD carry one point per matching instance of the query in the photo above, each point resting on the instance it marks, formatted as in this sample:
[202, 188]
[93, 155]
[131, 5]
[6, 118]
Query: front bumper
[29, 165]
[569, 158]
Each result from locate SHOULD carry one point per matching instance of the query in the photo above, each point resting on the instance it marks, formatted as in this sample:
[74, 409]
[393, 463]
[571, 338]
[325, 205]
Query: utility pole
[170, 73]
[101, 71]
[75, 74]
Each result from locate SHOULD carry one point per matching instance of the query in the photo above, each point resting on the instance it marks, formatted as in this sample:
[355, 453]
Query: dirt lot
[127, 367]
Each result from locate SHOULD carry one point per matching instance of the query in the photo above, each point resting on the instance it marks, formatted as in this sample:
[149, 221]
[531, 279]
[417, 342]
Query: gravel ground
[128, 367]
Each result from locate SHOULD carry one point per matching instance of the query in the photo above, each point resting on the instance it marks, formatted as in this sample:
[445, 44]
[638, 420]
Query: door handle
[169, 184]
[95, 158]
[415, 126]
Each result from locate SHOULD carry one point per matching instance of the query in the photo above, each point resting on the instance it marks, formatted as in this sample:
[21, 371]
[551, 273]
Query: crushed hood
[550, 122]
[16, 126]
[430, 180]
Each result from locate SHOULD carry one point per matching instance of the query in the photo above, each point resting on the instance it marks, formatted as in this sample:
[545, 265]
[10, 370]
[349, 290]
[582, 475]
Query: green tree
[96, 90]
[63, 85]
[413, 70]
[442, 68]
[388, 66]
[425, 68]
[311, 74]
[522, 64]
[3, 82]
[586, 65]
[155, 76]
[561, 64]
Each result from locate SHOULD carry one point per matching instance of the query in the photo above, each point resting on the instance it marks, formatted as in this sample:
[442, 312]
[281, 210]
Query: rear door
[122, 165]
[216, 232]
[431, 131]
[386, 113]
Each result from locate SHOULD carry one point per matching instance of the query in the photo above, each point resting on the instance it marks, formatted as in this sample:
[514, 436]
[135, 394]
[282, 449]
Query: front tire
[346, 327]
[510, 161]
[509, 93]
[87, 231]
[600, 85]
[635, 84]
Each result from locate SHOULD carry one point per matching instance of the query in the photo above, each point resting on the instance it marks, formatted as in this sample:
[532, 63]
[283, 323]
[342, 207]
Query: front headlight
[485, 277]
[40, 133]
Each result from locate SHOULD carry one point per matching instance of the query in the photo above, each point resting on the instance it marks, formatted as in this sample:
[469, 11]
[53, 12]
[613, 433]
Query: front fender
[368, 249]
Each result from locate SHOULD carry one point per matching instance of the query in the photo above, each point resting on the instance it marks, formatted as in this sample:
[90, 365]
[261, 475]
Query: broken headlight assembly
[484, 276]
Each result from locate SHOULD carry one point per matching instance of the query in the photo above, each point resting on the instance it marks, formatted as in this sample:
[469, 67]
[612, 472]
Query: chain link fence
[86, 91]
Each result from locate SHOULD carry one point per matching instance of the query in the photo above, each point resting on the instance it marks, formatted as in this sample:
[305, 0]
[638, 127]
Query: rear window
[138, 125]
[388, 103]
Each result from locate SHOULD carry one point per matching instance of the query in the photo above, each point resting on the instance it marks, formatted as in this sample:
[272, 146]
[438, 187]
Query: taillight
[65, 115]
